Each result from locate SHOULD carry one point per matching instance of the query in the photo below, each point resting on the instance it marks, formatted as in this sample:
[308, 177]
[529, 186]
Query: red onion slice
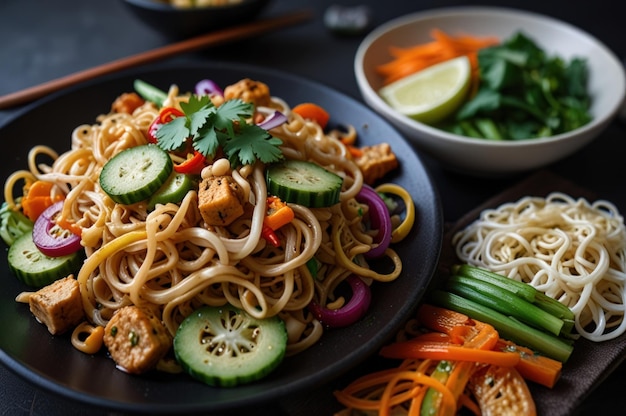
[50, 239]
[208, 87]
[351, 312]
[273, 120]
[379, 220]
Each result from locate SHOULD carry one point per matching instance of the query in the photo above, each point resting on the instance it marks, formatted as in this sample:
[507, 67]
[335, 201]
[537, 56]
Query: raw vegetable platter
[590, 362]
[52, 363]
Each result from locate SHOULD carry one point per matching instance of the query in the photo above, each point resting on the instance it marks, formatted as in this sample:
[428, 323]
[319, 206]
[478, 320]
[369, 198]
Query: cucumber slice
[303, 183]
[224, 346]
[13, 224]
[134, 174]
[173, 190]
[34, 268]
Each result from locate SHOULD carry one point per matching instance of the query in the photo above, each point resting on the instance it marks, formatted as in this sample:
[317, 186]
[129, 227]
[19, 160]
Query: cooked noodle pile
[168, 261]
[569, 249]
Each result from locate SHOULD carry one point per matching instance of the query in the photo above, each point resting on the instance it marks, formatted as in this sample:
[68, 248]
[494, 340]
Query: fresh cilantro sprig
[524, 93]
[210, 128]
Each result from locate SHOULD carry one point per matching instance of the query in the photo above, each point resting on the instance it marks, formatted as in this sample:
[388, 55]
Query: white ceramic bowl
[607, 84]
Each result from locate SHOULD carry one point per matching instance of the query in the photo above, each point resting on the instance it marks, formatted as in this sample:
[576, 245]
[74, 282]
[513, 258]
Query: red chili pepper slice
[193, 165]
[166, 115]
[270, 235]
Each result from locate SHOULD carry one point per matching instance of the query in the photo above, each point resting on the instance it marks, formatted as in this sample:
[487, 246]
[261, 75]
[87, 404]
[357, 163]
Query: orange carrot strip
[449, 401]
[537, 368]
[441, 319]
[70, 226]
[37, 198]
[437, 350]
[311, 111]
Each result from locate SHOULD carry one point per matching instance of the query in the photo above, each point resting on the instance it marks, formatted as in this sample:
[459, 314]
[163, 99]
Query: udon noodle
[168, 261]
[569, 249]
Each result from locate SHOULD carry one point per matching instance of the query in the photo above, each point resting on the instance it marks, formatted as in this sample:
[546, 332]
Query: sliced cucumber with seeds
[173, 190]
[36, 269]
[134, 174]
[303, 183]
[225, 346]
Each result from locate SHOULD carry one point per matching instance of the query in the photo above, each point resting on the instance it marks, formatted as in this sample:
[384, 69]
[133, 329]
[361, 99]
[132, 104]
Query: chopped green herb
[524, 93]
[211, 128]
[133, 337]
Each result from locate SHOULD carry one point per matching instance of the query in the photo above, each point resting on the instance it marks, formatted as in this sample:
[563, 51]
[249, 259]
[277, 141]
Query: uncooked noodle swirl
[570, 249]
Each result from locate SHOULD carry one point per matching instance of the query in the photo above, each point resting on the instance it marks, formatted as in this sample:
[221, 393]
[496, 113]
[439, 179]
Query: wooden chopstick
[189, 45]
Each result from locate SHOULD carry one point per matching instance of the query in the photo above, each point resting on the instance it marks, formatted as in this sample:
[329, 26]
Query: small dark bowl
[187, 22]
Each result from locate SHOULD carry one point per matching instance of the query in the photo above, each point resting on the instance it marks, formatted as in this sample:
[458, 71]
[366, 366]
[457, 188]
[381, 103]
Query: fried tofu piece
[136, 339]
[376, 161]
[220, 200]
[127, 103]
[58, 305]
[250, 91]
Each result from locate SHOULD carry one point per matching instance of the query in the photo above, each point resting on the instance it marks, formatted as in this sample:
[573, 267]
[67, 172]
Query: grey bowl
[187, 22]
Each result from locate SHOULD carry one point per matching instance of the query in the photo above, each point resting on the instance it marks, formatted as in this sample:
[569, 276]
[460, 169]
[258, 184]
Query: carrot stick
[437, 350]
[440, 319]
[537, 368]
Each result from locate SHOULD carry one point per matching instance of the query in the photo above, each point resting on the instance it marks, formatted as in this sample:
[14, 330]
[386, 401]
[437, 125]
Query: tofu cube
[136, 339]
[220, 200]
[58, 305]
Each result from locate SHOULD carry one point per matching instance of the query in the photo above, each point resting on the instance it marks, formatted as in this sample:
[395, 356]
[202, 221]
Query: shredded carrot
[311, 111]
[437, 367]
[443, 47]
[466, 401]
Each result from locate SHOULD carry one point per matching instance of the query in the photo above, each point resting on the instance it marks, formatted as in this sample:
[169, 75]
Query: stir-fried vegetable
[51, 239]
[37, 199]
[402, 229]
[13, 224]
[225, 346]
[278, 214]
[311, 111]
[349, 313]
[379, 220]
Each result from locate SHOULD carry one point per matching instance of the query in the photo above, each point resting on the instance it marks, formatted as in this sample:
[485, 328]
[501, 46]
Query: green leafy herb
[210, 128]
[524, 93]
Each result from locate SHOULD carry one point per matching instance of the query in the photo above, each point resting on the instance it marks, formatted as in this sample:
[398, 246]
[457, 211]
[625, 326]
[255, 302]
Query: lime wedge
[432, 94]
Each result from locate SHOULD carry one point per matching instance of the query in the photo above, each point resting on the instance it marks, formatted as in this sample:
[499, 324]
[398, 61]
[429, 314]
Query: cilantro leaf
[198, 112]
[253, 143]
[207, 141]
[173, 135]
[210, 128]
[232, 110]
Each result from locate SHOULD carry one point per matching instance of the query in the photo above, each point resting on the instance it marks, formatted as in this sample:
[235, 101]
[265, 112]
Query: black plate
[52, 363]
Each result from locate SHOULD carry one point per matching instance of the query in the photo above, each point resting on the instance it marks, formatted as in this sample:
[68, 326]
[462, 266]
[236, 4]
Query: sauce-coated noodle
[167, 260]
